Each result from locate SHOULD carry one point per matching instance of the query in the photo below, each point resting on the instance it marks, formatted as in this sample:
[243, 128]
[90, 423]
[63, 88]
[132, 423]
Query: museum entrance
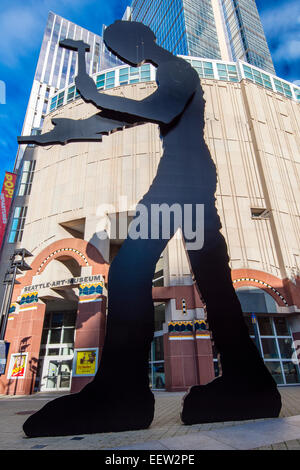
[156, 358]
[57, 350]
[56, 374]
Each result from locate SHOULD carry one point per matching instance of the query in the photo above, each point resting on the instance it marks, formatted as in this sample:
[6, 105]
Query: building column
[188, 355]
[90, 327]
[24, 333]
[180, 356]
[204, 353]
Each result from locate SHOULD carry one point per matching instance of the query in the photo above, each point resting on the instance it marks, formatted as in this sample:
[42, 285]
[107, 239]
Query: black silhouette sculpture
[119, 397]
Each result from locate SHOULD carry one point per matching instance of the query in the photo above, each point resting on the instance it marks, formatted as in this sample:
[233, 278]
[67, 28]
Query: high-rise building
[56, 69]
[184, 27]
[215, 29]
[57, 315]
[246, 35]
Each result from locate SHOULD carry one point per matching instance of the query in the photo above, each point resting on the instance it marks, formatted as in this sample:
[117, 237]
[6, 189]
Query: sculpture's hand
[72, 130]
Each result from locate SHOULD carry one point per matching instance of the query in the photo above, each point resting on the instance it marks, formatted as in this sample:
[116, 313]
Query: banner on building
[17, 366]
[85, 362]
[5, 201]
[4, 346]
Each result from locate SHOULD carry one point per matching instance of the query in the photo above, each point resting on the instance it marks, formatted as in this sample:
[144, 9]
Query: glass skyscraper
[57, 67]
[215, 29]
[185, 27]
[246, 35]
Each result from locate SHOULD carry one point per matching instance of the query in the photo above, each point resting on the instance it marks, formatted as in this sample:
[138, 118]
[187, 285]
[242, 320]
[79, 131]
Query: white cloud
[22, 25]
[281, 25]
[18, 33]
[288, 49]
[281, 18]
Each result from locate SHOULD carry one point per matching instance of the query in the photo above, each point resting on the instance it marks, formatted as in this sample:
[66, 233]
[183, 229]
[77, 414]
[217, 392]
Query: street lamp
[17, 265]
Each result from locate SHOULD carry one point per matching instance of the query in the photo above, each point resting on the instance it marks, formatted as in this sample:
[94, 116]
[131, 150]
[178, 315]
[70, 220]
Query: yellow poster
[86, 362]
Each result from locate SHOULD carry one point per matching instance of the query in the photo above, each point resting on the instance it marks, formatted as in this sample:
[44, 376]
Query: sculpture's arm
[74, 130]
[176, 86]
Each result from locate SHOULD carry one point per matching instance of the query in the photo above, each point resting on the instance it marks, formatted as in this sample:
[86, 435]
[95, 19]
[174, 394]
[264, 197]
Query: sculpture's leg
[119, 397]
[246, 389]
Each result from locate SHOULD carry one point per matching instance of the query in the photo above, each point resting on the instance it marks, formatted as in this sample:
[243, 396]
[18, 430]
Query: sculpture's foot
[224, 400]
[90, 412]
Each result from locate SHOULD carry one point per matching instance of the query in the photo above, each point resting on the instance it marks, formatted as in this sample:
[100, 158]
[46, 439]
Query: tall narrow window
[158, 280]
[17, 226]
[27, 177]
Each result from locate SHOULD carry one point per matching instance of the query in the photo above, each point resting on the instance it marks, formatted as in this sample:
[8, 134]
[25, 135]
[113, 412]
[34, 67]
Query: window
[53, 103]
[71, 93]
[258, 77]
[227, 72]
[158, 280]
[60, 99]
[58, 333]
[156, 357]
[100, 81]
[27, 177]
[297, 93]
[123, 76]
[283, 88]
[204, 69]
[259, 213]
[110, 79]
[134, 71]
[275, 344]
[17, 226]
[105, 80]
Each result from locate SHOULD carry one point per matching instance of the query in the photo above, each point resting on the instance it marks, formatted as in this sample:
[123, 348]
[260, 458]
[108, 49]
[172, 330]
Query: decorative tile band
[84, 300]
[180, 326]
[91, 289]
[187, 326]
[181, 338]
[264, 284]
[62, 250]
[29, 298]
[23, 309]
[200, 325]
[12, 309]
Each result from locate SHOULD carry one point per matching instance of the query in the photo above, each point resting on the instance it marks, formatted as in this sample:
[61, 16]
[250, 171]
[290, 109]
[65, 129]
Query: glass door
[275, 343]
[156, 359]
[56, 374]
[57, 351]
[157, 363]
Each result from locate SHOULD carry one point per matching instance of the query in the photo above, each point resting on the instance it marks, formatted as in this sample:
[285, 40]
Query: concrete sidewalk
[166, 431]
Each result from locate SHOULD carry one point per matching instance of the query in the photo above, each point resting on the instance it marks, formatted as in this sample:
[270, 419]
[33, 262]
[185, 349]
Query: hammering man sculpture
[119, 397]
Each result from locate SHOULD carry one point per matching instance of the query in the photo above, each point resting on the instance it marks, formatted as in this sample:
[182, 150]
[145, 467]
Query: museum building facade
[82, 198]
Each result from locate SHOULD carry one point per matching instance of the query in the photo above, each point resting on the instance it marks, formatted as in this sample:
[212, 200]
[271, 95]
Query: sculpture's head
[131, 41]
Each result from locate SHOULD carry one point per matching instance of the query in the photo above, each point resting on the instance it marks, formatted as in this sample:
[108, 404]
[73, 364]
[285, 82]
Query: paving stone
[279, 446]
[293, 445]
[166, 424]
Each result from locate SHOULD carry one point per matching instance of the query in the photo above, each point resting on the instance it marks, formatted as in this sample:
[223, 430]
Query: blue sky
[21, 30]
